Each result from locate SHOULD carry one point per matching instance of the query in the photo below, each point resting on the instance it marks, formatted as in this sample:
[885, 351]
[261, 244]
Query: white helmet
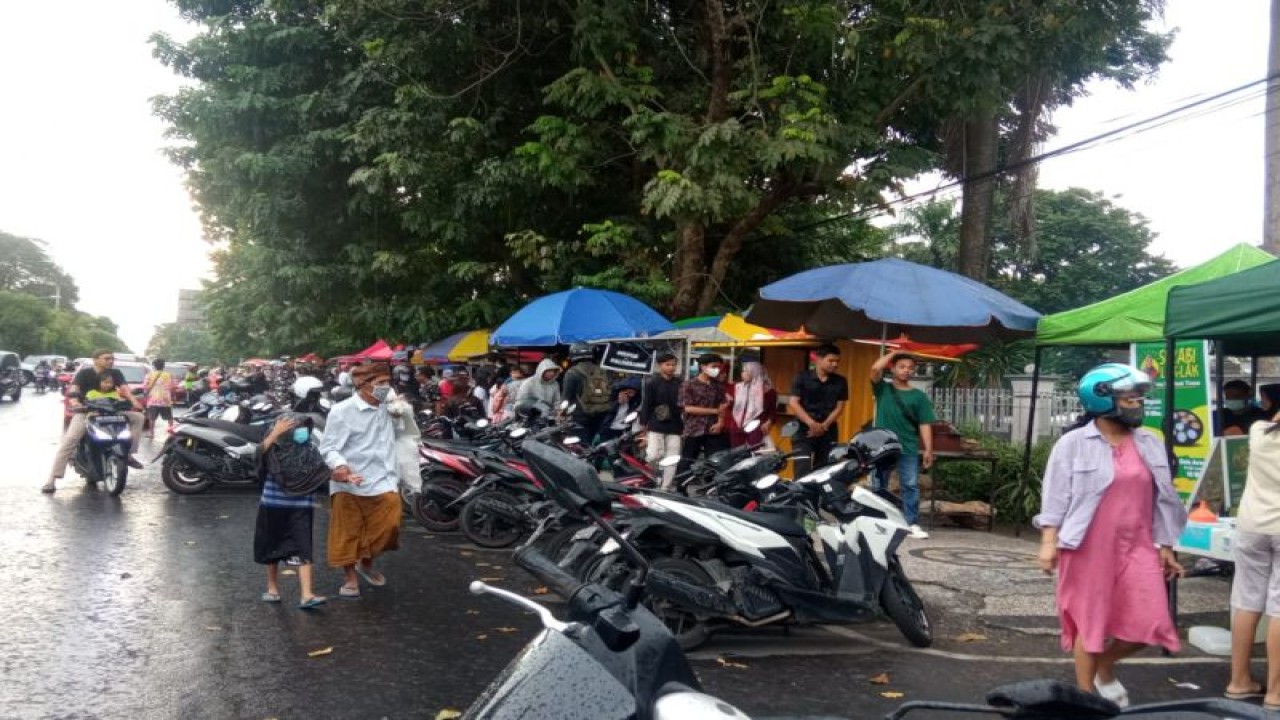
[304, 385]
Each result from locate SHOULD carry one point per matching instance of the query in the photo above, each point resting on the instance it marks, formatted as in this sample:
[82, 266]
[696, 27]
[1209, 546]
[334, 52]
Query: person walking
[909, 414]
[283, 531]
[1109, 518]
[817, 399]
[751, 398]
[365, 507]
[660, 416]
[158, 389]
[703, 403]
[1255, 588]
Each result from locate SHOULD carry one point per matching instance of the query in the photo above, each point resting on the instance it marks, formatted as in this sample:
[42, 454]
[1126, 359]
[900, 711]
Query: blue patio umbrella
[578, 315]
[889, 298]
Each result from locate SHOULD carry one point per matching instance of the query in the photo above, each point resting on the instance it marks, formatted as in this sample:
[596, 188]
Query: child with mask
[283, 530]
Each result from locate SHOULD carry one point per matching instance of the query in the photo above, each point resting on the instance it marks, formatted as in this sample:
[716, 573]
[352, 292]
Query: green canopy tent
[1241, 313]
[1139, 315]
[1134, 316]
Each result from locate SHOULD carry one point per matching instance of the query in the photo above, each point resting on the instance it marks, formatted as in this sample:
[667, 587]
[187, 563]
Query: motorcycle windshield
[554, 677]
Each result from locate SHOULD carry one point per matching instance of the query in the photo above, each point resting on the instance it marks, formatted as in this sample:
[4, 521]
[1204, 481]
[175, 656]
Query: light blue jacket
[1080, 470]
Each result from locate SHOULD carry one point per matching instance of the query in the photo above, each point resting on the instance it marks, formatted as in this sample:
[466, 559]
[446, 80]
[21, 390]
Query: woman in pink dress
[1109, 518]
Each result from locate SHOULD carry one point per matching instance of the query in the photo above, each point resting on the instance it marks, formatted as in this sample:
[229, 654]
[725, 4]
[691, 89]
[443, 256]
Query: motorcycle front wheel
[431, 507]
[904, 607]
[116, 473]
[181, 478]
[490, 519]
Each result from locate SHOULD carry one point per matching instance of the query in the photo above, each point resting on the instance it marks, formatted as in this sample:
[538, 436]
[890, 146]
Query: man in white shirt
[359, 445]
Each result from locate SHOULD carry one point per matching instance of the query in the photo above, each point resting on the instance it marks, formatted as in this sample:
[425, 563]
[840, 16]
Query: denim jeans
[908, 482]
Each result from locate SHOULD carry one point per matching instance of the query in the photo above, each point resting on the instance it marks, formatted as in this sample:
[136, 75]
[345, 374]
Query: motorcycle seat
[252, 433]
[781, 524]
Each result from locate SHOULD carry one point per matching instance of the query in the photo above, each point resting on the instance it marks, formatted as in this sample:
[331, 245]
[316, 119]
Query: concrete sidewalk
[988, 583]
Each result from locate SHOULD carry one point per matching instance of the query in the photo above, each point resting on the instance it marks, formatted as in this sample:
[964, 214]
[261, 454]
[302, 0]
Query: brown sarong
[362, 527]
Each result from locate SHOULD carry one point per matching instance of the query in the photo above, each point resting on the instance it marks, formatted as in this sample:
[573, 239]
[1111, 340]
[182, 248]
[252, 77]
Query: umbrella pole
[1031, 415]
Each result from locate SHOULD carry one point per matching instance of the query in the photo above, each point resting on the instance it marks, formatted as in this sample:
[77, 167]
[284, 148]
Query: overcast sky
[81, 168]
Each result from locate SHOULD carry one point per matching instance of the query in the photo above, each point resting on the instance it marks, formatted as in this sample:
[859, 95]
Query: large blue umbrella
[892, 297]
[578, 315]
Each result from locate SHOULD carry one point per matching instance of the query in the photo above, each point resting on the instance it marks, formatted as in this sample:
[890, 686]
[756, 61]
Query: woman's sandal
[1246, 695]
[347, 592]
[312, 602]
[270, 597]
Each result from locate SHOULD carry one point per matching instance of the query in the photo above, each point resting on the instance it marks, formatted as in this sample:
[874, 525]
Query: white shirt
[362, 437]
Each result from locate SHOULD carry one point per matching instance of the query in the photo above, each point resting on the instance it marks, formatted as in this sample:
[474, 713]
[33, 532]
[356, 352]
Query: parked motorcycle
[103, 453]
[723, 567]
[204, 451]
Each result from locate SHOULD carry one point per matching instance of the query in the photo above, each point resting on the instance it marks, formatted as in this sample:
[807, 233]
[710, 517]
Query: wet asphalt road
[147, 606]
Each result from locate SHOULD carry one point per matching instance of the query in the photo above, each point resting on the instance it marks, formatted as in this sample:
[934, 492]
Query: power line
[1122, 132]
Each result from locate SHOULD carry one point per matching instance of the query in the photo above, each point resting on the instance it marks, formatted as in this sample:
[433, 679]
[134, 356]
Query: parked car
[29, 364]
[11, 379]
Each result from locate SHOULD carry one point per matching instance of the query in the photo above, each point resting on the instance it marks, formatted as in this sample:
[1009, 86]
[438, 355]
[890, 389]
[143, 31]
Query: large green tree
[37, 299]
[25, 266]
[178, 341]
[410, 167]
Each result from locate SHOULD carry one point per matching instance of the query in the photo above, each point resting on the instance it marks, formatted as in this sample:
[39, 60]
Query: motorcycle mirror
[791, 429]
[751, 426]
[573, 440]
[631, 417]
[482, 423]
[518, 433]
[669, 461]
[766, 482]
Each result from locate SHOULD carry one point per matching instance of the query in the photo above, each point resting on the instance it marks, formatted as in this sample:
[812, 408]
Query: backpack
[595, 397]
[298, 469]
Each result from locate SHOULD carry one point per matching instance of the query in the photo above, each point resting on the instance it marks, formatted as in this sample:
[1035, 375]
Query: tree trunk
[732, 243]
[981, 136]
[690, 267]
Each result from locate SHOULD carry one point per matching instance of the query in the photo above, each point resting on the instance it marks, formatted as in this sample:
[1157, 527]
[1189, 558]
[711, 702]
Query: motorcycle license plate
[111, 418]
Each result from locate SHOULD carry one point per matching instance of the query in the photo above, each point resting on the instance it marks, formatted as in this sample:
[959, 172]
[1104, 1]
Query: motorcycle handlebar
[560, 581]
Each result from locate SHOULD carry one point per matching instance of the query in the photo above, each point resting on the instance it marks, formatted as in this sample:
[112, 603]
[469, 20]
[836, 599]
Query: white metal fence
[991, 410]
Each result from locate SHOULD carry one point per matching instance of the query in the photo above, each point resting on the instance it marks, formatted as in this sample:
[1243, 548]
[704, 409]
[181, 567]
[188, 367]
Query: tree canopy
[408, 168]
[30, 320]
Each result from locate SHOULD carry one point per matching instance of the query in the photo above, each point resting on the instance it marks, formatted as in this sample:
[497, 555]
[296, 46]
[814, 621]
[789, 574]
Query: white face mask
[1235, 405]
[381, 393]
[713, 371]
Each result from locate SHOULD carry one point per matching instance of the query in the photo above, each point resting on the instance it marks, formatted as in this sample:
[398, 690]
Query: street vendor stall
[1136, 319]
[1240, 315]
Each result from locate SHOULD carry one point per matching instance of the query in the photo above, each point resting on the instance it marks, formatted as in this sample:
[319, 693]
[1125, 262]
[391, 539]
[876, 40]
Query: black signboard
[627, 358]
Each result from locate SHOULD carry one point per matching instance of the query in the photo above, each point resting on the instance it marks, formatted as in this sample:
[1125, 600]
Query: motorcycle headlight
[100, 433]
[124, 435]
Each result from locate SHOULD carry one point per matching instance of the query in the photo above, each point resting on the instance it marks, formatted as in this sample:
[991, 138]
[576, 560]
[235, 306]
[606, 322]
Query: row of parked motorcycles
[731, 545]
[616, 653]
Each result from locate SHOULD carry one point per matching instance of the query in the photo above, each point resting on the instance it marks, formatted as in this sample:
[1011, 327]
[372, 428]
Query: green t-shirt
[889, 414]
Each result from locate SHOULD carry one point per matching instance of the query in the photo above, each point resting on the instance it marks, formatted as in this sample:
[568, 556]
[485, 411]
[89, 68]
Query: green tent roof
[1139, 315]
[1241, 311]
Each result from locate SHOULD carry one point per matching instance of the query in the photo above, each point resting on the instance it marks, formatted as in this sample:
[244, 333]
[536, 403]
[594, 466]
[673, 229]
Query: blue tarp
[888, 298]
[579, 315]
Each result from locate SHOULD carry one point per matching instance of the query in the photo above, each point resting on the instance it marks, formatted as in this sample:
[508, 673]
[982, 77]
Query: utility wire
[1122, 132]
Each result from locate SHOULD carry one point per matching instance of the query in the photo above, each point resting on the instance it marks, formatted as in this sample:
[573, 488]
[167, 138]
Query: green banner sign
[1192, 422]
